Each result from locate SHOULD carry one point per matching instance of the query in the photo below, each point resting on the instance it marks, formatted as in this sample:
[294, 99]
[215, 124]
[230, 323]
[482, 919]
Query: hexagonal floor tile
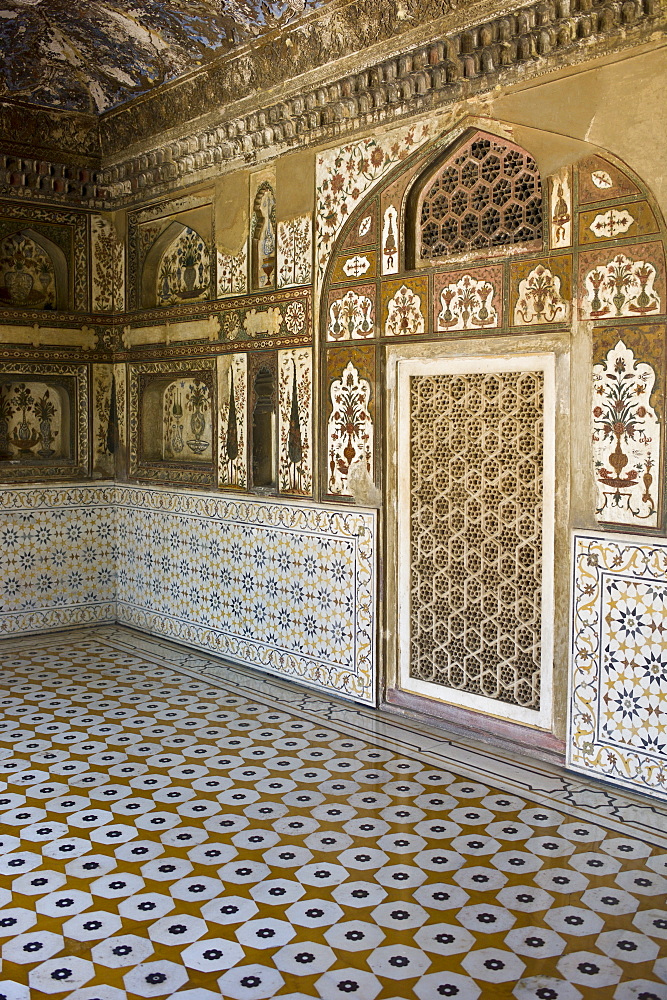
[60, 974]
[398, 962]
[340, 984]
[119, 952]
[446, 984]
[304, 958]
[177, 929]
[35, 946]
[212, 955]
[589, 969]
[493, 965]
[250, 982]
[265, 933]
[354, 935]
[155, 979]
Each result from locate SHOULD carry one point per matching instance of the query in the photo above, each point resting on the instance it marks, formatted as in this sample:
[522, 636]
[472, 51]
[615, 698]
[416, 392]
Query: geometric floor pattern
[167, 835]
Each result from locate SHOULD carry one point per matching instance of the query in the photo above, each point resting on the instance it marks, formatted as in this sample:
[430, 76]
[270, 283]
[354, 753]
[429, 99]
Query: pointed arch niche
[459, 308]
[177, 267]
[263, 239]
[33, 272]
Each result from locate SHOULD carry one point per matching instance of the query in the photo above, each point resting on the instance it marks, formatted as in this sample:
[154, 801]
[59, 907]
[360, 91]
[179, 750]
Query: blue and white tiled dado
[618, 720]
[285, 587]
[57, 557]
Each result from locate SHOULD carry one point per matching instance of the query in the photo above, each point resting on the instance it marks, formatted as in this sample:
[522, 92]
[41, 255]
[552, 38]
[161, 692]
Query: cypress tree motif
[294, 439]
[232, 442]
[112, 426]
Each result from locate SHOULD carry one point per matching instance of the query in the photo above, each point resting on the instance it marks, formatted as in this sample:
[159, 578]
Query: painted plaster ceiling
[91, 56]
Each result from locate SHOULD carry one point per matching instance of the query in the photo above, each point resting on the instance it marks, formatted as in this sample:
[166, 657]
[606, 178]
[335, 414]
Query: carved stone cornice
[360, 83]
[531, 41]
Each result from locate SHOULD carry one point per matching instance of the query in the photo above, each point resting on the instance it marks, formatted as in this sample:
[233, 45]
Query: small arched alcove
[33, 272]
[177, 268]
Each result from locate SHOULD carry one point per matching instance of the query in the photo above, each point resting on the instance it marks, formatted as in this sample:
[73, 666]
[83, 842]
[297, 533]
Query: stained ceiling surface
[91, 56]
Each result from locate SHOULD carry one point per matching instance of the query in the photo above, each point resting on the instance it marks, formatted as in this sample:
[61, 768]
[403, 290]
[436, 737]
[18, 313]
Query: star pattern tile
[169, 834]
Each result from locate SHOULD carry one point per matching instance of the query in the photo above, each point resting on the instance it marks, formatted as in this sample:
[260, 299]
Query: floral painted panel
[43, 421]
[626, 439]
[184, 272]
[27, 274]
[619, 661]
[104, 420]
[57, 559]
[108, 267]
[600, 180]
[633, 219]
[541, 291]
[560, 209]
[295, 393]
[232, 273]
[120, 385]
[405, 307]
[346, 173]
[390, 241]
[287, 588]
[351, 314]
[295, 252]
[623, 282]
[465, 301]
[233, 432]
[187, 421]
[350, 432]
[364, 231]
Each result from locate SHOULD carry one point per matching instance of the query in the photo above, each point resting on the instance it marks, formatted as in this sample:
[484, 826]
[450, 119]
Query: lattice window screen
[488, 194]
[476, 490]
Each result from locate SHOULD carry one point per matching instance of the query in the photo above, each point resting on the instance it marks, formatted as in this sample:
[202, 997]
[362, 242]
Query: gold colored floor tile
[166, 836]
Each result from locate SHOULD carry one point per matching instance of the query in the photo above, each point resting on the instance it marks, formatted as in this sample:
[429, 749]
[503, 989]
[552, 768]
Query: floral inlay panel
[465, 301]
[625, 282]
[172, 434]
[345, 173]
[560, 209]
[626, 439]
[633, 219]
[107, 267]
[276, 319]
[286, 588]
[295, 252]
[295, 396]
[351, 314]
[43, 421]
[541, 291]
[390, 241]
[405, 307]
[27, 274]
[619, 661]
[232, 273]
[184, 272]
[187, 421]
[233, 433]
[600, 180]
[350, 429]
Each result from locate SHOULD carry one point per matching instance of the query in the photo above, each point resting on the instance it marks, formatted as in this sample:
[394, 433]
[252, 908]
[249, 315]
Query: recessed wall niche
[33, 272]
[173, 432]
[43, 421]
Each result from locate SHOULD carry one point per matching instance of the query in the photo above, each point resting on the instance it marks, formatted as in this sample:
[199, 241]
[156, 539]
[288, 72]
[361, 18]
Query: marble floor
[171, 827]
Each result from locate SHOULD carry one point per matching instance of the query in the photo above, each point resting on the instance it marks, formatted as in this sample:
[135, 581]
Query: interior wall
[217, 346]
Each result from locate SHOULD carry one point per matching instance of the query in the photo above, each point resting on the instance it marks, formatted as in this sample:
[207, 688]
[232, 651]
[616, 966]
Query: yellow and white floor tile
[174, 828]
